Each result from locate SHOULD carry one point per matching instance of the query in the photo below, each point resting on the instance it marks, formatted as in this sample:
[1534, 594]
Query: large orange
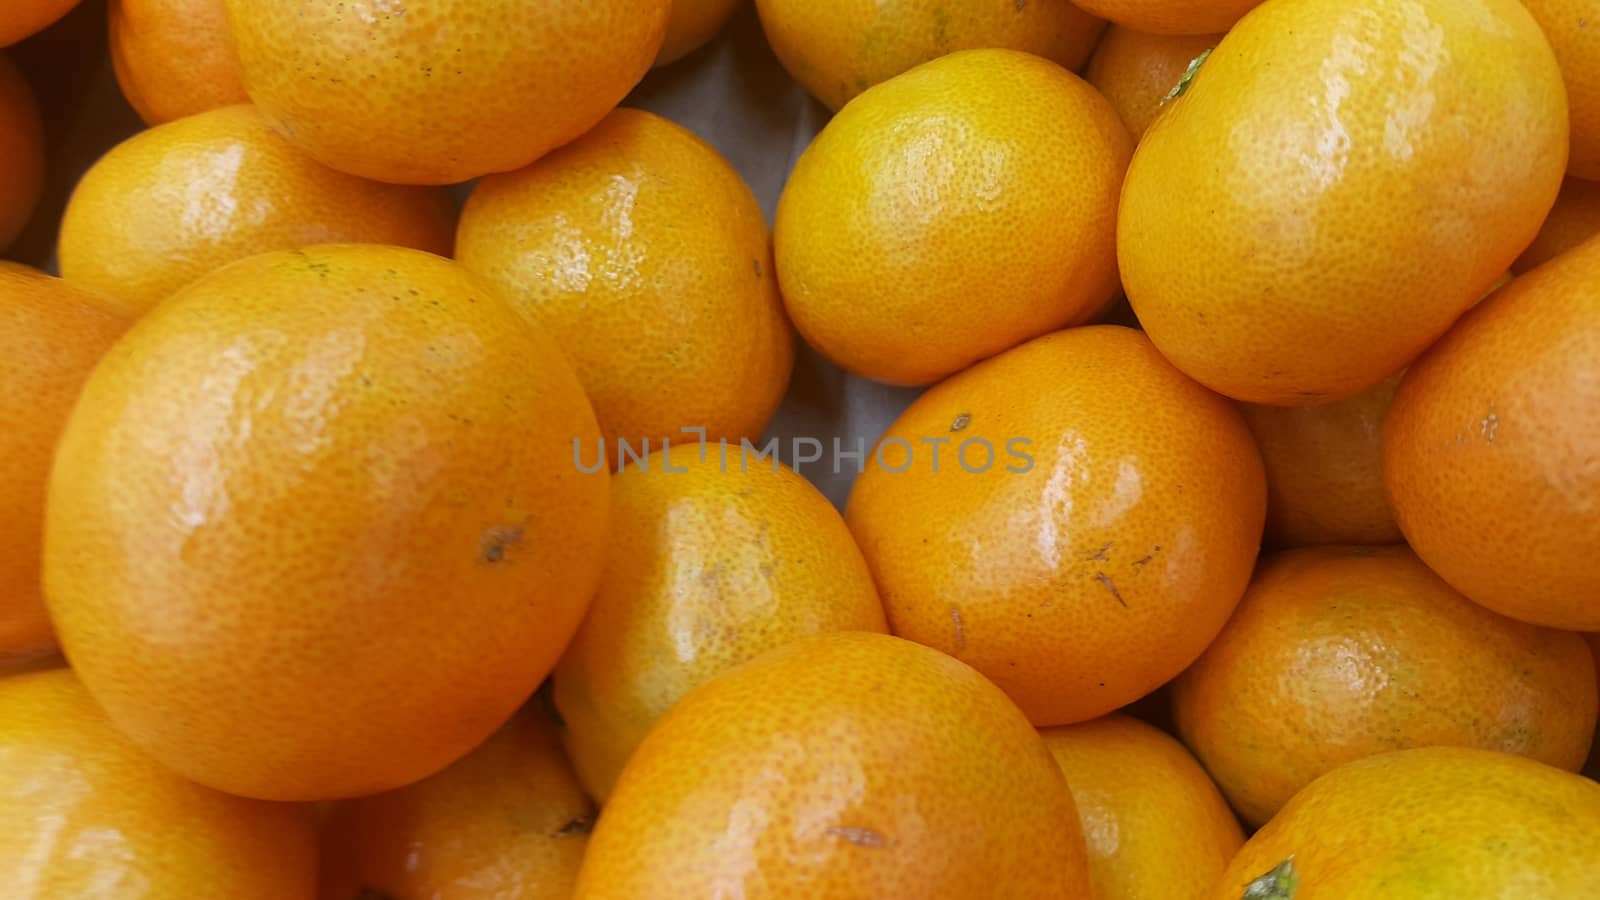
[444, 91]
[1340, 222]
[175, 58]
[84, 813]
[1574, 35]
[710, 563]
[1325, 470]
[1156, 826]
[953, 212]
[51, 335]
[645, 253]
[692, 25]
[1337, 653]
[315, 528]
[1491, 445]
[1172, 16]
[837, 49]
[1138, 70]
[171, 204]
[1087, 526]
[507, 821]
[841, 767]
[21, 153]
[1574, 219]
[1427, 823]
[21, 18]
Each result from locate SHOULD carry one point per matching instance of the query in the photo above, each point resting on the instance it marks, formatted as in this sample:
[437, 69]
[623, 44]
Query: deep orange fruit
[1138, 70]
[1574, 219]
[1172, 16]
[175, 58]
[1571, 27]
[23, 18]
[692, 25]
[21, 153]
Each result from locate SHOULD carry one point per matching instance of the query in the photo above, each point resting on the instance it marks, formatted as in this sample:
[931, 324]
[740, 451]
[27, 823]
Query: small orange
[507, 821]
[315, 528]
[951, 213]
[51, 335]
[1325, 470]
[1086, 527]
[175, 58]
[1573, 27]
[1156, 826]
[710, 563]
[1491, 445]
[21, 153]
[171, 204]
[840, 767]
[837, 49]
[1574, 219]
[443, 91]
[1172, 16]
[1138, 70]
[693, 24]
[646, 255]
[22, 18]
[84, 813]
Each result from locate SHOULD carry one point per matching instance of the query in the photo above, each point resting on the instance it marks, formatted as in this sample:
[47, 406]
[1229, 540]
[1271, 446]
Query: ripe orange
[1426, 823]
[1290, 268]
[444, 91]
[22, 18]
[1104, 545]
[647, 256]
[693, 24]
[314, 527]
[841, 766]
[175, 58]
[709, 564]
[1574, 219]
[21, 153]
[1490, 448]
[1325, 470]
[83, 813]
[1573, 27]
[51, 335]
[1156, 827]
[1172, 16]
[837, 49]
[951, 213]
[1138, 70]
[1337, 653]
[171, 204]
[506, 821]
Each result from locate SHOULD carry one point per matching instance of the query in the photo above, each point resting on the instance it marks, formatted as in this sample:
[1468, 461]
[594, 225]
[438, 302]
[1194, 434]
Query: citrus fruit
[22, 18]
[710, 562]
[646, 255]
[445, 91]
[21, 153]
[1337, 653]
[1290, 268]
[1156, 827]
[953, 212]
[84, 813]
[1325, 470]
[1423, 823]
[51, 335]
[171, 204]
[1172, 16]
[1086, 528]
[174, 58]
[314, 527]
[693, 24]
[1138, 70]
[1571, 26]
[1574, 219]
[1491, 445]
[507, 820]
[842, 765]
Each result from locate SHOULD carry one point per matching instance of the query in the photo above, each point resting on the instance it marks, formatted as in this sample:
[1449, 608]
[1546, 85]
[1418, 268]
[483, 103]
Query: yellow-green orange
[1138, 70]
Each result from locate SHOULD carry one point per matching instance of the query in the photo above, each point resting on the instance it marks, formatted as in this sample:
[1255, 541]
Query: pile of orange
[424, 476]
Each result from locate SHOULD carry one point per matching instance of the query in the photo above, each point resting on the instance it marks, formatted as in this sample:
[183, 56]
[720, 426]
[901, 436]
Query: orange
[1341, 222]
[841, 766]
[693, 24]
[508, 820]
[1088, 524]
[951, 213]
[1337, 653]
[314, 527]
[1156, 827]
[1573, 27]
[646, 255]
[1137, 70]
[837, 49]
[1325, 470]
[1574, 219]
[21, 153]
[1425, 823]
[1490, 448]
[22, 18]
[174, 58]
[171, 204]
[1172, 16]
[51, 335]
[83, 813]
[709, 564]
[445, 91]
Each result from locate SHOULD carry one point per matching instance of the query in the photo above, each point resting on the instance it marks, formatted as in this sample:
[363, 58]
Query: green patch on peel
[1182, 87]
[1279, 884]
